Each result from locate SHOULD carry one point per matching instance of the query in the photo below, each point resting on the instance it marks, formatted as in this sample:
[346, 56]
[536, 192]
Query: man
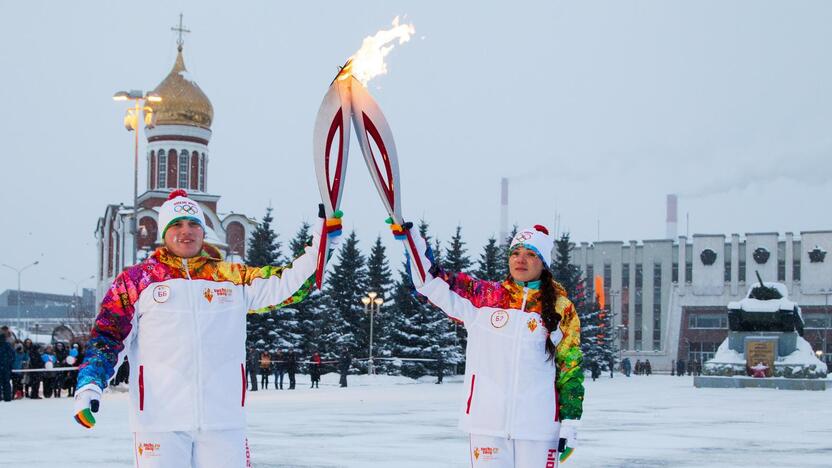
[180, 317]
[6, 362]
[344, 366]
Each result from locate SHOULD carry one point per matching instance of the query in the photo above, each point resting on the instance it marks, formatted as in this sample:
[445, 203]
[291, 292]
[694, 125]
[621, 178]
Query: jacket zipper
[198, 396]
[511, 399]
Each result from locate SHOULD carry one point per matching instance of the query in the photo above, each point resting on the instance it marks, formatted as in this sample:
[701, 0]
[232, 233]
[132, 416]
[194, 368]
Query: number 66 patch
[499, 319]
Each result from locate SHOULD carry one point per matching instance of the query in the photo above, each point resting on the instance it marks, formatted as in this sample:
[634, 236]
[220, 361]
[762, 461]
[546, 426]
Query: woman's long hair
[551, 319]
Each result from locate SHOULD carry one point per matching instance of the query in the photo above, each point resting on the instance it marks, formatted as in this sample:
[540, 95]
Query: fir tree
[596, 336]
[343, 322]
[456, 255]
[564, 272]
[489, 268]
[264, 246]
[302, 239]
[263, 250]
[380, 281]
[297, 324]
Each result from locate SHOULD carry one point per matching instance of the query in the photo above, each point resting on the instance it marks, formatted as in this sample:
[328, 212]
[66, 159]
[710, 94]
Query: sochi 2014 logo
[161, 293]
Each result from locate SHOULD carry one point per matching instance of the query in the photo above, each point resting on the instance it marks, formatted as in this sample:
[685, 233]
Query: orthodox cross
[180, 29]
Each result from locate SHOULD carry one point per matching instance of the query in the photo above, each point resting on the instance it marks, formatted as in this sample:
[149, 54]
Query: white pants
[201, 449]
[498, 452]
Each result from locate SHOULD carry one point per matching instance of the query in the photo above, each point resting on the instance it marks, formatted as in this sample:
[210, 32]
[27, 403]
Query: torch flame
[368, 62]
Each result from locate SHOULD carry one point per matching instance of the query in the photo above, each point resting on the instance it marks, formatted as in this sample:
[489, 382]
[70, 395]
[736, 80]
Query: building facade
[177, 157]
[669, 297]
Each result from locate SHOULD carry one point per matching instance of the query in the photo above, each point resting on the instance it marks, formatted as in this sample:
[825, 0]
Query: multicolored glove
[420, 269]
[331, 226]
[568, 438]
[86, 402]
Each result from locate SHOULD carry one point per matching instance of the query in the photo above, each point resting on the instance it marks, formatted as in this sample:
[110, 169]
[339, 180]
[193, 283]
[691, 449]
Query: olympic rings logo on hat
[522, 236]
[189, 209]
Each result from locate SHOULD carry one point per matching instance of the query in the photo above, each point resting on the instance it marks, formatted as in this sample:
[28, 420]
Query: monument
[765, 345]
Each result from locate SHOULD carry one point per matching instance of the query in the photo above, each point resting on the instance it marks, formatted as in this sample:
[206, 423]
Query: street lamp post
[77, 285]
[19, 272]
[371, 301]
[131, 122]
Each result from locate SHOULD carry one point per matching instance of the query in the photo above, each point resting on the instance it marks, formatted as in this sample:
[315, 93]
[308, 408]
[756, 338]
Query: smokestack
[503, 210]
[672, 218]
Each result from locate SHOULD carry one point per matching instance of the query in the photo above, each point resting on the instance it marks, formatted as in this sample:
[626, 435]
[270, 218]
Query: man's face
[184, 238]
[524, 265]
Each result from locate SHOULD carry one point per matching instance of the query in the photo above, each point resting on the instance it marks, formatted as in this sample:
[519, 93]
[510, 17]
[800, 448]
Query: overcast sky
[594, 110]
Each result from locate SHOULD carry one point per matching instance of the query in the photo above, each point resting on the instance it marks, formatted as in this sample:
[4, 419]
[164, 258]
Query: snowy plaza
[396, 422]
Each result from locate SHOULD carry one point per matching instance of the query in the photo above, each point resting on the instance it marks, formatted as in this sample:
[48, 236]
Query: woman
[523, 377]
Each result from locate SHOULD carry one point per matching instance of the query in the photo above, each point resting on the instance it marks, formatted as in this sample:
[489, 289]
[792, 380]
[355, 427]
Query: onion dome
[183, 102]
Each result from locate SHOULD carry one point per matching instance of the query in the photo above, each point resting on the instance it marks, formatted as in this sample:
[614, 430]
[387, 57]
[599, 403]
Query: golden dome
[183, 102]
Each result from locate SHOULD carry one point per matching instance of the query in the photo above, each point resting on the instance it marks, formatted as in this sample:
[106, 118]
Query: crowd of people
[32, 370]
[691, 367]
[286, 363]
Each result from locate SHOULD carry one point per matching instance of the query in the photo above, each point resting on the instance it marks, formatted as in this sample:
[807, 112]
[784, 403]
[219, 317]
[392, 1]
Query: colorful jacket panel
[181, 324]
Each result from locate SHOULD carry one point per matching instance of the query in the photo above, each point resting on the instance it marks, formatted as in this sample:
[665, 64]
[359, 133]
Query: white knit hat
[179, 206]
[535, 238]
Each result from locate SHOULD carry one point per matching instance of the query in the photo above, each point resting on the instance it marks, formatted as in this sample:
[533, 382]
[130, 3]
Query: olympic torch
[348, 100]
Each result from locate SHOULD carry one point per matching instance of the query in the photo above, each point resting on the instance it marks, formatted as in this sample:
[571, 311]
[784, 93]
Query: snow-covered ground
[395, 422]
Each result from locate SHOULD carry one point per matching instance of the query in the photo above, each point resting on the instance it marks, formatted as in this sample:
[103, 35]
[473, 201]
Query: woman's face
[524, 265]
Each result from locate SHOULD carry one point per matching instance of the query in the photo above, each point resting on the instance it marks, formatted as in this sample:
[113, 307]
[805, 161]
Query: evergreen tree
[264, 246]
[489, 268]
[456, 255]
[564, 271]
[302, 239]
[596, 335]
[263, 250]
[380, 281]
[298, 327]
[343, 322]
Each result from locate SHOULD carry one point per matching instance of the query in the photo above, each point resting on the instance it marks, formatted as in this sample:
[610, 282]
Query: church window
[172, 165]
[163, 164]
[152, 172]
[183, 169]
[194, 171]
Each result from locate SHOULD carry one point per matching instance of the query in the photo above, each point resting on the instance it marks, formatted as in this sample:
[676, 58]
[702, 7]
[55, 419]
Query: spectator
[673, 367]
[72, 360]
[20, 361]
[638, 366]
[61, 354]
[291, 368]
[279, 365]
[265, 369]
[49, 363]
[627, 366]
[251, 368]
[315, 370]
[680, 367]
[35, 362]
[594, 369]
[440, 367]
[6, 364]
[690, 366]
[648, 369]
[344, 366]
[697, 367]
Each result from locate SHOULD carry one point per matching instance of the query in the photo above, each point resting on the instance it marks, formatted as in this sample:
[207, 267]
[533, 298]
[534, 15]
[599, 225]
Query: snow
[802, 356]
[380, 422]
[726, 355]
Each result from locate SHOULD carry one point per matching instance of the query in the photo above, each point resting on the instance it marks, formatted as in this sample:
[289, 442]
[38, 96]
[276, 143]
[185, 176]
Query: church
[177, 157]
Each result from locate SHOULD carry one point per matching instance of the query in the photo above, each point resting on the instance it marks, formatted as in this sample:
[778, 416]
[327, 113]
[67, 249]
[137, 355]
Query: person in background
[291, 368]
[344, 362]
[35, 362]
[61, 354]
[6, 364]
[251, 367]
[20, 362]
[315, 370]
[440, 367]
[648, 368]
[49, 363]
[680, 367]
[279, 364]
[265, 369]
[72, 360]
